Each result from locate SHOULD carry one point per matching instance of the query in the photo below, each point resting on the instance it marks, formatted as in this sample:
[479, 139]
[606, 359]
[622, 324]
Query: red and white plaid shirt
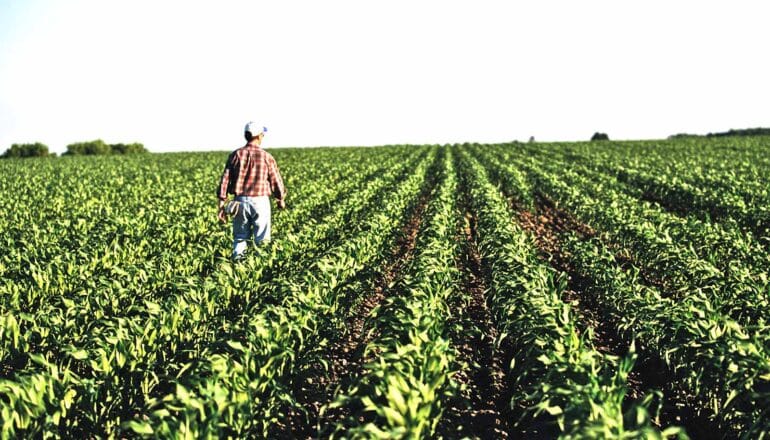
[251, 171]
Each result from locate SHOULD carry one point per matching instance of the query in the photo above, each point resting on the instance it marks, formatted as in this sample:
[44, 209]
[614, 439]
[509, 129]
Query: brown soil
[345, 352]
[549, 223]
[482, 410]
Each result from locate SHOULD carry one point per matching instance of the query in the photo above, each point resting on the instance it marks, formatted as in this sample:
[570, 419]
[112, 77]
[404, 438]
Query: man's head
[253, 131]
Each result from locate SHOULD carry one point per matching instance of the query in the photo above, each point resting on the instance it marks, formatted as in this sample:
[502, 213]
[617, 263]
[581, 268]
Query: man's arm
[276, 183]
[224, 184]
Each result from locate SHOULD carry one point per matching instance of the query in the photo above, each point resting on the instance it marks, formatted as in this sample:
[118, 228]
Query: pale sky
[187, 75]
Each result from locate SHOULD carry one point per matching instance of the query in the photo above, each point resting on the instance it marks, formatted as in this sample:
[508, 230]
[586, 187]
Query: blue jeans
[252, 220]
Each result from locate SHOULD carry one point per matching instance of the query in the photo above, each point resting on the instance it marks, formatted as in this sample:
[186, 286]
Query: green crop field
[539, 290]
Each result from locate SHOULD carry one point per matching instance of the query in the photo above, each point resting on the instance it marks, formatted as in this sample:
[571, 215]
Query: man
[251, 175]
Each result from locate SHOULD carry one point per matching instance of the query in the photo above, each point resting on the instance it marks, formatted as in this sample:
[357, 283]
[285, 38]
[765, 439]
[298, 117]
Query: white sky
[187, 75]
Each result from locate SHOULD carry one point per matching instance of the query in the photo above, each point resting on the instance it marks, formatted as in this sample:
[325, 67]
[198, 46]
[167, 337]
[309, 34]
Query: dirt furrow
[482, 411]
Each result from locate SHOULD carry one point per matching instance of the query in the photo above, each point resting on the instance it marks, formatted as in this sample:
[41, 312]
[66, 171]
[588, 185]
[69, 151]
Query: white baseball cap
[254, 128]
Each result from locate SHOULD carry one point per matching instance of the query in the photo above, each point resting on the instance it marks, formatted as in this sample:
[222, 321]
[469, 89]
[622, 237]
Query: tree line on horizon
[758, 131]
[95, 147]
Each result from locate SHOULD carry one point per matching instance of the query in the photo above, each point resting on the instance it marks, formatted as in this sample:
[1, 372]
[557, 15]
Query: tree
[128, 148]
[759, 131]
[36, 149]
[98, 146]
[600, 137]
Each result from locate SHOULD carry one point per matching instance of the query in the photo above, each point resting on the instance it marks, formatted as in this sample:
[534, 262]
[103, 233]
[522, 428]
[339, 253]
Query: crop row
[740, 216]
[557, 372]
[651, 238]
[714, 359]
[732, 168]
[719, 244]
[402, 390]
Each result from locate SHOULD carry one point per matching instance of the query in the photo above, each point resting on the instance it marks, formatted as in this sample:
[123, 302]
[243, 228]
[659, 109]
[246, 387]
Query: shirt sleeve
[224, 183]
[276, 182]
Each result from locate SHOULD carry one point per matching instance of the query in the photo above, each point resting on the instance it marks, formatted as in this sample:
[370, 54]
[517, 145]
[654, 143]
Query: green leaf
[79, 355]
[141, 427]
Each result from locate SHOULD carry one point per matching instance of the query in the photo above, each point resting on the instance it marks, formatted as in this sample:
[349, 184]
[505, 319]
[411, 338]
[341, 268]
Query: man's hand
[221, 212]
[281, 204]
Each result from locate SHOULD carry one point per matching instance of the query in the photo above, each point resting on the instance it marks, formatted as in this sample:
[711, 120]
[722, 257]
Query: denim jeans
[252, 220]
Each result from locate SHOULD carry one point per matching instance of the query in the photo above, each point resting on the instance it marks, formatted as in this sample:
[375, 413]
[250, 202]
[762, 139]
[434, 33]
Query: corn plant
[402, 390]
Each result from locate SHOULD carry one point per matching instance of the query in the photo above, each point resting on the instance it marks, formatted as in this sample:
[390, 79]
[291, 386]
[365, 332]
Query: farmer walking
[251, 176]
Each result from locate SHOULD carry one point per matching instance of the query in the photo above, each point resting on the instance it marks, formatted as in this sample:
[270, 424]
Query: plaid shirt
[251, 171]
